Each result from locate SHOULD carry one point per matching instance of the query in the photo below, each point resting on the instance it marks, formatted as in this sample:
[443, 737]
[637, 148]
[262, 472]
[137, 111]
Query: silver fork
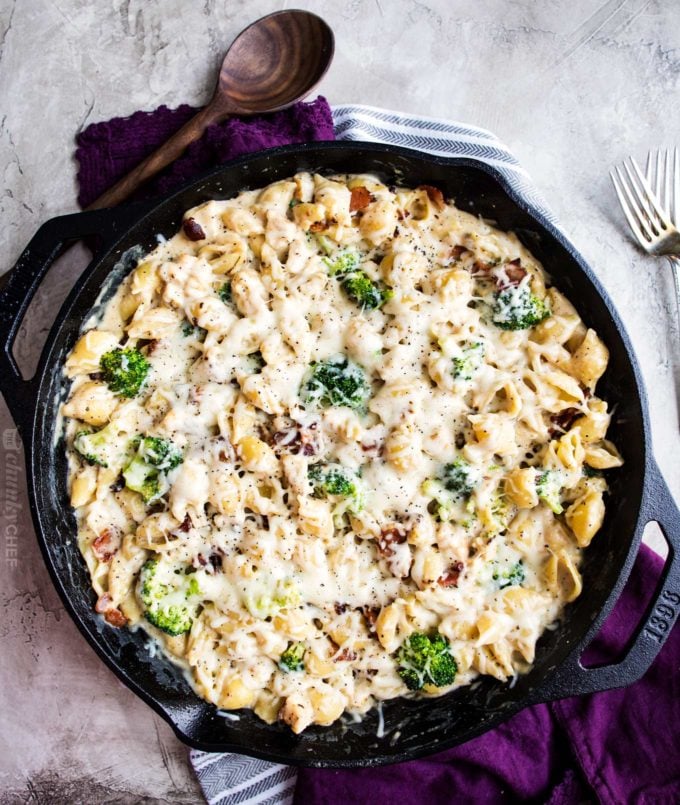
[651, 205]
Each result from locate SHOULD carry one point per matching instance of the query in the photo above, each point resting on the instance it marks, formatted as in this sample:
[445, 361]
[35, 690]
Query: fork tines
[663, 175]
[650, 203]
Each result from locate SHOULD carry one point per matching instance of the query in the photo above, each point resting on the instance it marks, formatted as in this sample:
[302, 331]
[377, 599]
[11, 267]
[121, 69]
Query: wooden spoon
[270, 65]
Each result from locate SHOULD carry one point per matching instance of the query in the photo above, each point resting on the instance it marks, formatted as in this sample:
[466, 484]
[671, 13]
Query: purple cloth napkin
[621, 746]
[107, 151]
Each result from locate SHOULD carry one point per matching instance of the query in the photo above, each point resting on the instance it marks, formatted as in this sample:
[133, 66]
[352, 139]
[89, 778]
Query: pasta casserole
[336, 442]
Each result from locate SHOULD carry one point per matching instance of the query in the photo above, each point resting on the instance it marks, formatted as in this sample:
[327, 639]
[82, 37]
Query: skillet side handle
[19, 285]
[572, 679]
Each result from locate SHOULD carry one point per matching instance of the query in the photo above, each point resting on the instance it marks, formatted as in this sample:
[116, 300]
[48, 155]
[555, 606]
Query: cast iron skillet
[411, 728]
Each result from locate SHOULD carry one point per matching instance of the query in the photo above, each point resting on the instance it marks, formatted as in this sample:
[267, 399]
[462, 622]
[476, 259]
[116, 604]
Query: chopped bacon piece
[193, 230]
[339, 608]
[371, 615]
[215, 560]
[118, 484]
[478, 266]
[450, 578]
[285, 438]
[373, 449]
[515, 271]
[227, 453]
[346, 655]
[507, 275]
[115, 617]
[392, 546]
[187, 524]
[434, 194]
[295, 438]
[458, 251]
[104, 602]
[212, 564]
[360, 199]
[112, 615]
[388, 537]
[106, 544]
[564, 419]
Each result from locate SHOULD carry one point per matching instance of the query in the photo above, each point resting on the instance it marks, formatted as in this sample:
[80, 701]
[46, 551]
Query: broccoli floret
[146, 472]
[448, 505]
[331, 479]
[469, 362]
[342, 262]
[334, 480]
[102, 447]
[591, 472]
[460, 478]
[501, 513]
[326, 245]
[426, 660]
[336, 381]
[358, 286]
[362, 290]
[124, 371]
[292, 658]
[92, 446]
[159, 452]
[145, 479]
[224, 292]
[512, 576]
[453, 486]
[284, 594]
[169, 596]
[548, 488]
[517, 308]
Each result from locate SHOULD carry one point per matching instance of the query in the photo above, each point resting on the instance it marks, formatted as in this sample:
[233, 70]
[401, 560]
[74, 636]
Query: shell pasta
[336, 442]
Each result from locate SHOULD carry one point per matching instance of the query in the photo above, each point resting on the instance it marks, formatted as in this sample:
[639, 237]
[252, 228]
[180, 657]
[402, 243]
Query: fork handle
[675, 268]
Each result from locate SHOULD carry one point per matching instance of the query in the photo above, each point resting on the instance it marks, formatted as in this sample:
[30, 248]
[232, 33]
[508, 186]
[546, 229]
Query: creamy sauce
[232, 324]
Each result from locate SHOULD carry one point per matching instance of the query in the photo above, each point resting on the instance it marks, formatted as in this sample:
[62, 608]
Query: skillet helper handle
[19, 285]
[572, 679]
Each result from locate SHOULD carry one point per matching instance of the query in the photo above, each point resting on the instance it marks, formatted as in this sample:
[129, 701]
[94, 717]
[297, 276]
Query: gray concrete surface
[571, 85]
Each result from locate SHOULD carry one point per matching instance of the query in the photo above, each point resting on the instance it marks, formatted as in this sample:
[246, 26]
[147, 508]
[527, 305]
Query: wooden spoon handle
[167, 153]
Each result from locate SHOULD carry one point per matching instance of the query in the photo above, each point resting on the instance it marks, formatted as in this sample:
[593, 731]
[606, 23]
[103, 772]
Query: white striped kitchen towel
[231, 779]
[436, 136]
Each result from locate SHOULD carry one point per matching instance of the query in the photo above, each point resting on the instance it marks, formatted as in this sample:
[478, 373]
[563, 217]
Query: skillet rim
[308, 149]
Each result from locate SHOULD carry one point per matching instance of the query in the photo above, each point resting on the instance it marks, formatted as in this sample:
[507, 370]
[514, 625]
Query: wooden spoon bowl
[271, 64]
[275, 62]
